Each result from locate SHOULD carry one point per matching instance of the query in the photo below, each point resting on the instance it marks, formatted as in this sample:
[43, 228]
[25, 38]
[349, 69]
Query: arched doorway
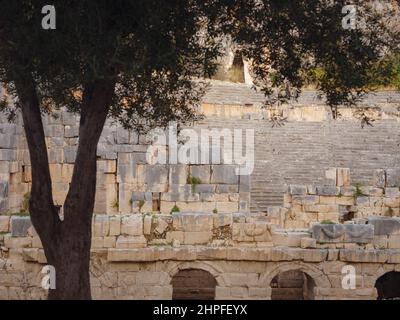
[193, 284]
[292, 285]
[388, 286]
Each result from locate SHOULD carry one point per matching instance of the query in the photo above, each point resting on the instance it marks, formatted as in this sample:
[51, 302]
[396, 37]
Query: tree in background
[140, 62]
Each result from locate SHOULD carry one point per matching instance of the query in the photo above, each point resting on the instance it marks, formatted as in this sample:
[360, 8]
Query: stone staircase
[300, 152]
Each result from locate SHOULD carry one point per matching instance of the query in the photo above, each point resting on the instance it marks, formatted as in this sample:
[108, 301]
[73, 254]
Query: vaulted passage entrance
[193, 284]
[388, 286]
[292, 285]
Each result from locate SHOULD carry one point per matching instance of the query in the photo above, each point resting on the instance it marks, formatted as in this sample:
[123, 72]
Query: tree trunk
[66, 242]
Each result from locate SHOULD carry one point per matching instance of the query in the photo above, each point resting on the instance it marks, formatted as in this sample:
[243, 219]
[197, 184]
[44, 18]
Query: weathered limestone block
[343, 177]
[245, 183]
[343, 233]
[19, 226]
[122, 136]
[393, 178]
[197, 238]
[124, 198]
[385, 225]
[379, 178]
[162, 223]
[154, 177]
[192, 222]
[70, 154]
[372, 256]
[71, 131]
[227, 207]
[202, 172]
[308, 243]
[206, 188]
[248, 232]
[227, 188]
[8, 155]
[128, 242]
[331, 176]
[147, 223]
[115, 226]
[4, 224]
[101, 226]
[224, 174]
[178, 174]
[127, 168]
[392, 193]
[142, 196]
[297, 190]
[175, 236]
[394, 242]
[222, 220]
[328, 190]
[132, 225]
[17, 242]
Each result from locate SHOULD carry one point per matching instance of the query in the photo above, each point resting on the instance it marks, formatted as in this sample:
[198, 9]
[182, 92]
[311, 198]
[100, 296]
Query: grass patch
[175, 209]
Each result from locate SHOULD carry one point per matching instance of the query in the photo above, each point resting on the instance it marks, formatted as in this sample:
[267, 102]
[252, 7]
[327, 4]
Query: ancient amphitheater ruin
[318, 218]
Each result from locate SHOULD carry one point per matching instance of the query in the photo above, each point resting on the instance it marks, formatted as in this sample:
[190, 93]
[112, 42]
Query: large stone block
[129, 242]
[192, 222]
[196, 238]
[20, 226]
[249, 232]
[385, 225]
[379, 178]
[4, 223]
[7, 141]
[122, 136]
[101, 226]
[224, 174]
[202, 172]
[343, 233]
[3, 189]
[327, 190]
[115, 226]
[178, 174]
[343, 177]
[132, 225]
[8, 155]
[70, 154]
[393, 178]
[297, 189]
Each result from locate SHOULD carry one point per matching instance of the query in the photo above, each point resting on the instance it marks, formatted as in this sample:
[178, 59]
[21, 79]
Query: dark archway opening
[388, 286]
[193, 284]
[292, 285]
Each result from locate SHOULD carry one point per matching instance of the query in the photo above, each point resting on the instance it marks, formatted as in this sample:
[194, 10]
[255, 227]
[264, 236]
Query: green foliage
[25, 203]
[327, 222]
[194, 181]
[175, 209]
[153, 52]
[141, 204]
[358, 191]
[115, 204]
[389, 212]
[215, 211]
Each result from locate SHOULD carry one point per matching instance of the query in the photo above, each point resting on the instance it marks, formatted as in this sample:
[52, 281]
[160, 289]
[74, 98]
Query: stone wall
[126, 182]
[137, 256]
[340, 201]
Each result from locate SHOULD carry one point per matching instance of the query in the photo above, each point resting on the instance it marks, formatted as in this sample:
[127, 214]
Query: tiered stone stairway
[300, 152]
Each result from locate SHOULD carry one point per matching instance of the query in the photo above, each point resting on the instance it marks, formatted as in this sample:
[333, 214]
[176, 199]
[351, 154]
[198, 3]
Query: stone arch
[194, 280]
[193, 284]
[316, 275]
[217, 273]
